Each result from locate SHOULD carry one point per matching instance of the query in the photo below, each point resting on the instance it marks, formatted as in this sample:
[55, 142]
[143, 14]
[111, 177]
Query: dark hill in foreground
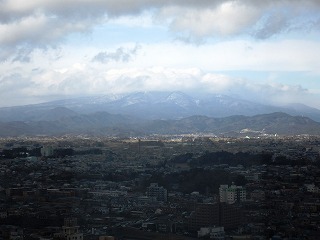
[103, 123]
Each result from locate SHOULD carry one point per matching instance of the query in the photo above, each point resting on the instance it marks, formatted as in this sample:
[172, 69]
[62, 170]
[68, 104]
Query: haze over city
[266, 51]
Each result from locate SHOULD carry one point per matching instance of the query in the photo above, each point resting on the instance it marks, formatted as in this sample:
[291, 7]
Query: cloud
[281, 94]
[271, 25]
[265, 92]
[36, 31]
[119, 55]
[22, 87]
[22, 55]
[14, 87]
[228, 18]
[258, 19]
[45, 23]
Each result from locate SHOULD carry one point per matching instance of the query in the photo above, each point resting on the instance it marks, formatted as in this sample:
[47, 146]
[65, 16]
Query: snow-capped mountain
[152, 105]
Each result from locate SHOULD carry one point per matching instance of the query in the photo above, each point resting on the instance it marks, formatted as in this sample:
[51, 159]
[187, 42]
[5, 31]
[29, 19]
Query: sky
[265, 51]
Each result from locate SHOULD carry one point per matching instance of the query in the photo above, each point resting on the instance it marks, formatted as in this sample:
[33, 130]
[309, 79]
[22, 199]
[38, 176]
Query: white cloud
[162, 66]
[218, 83]
[44, 23]
[226, 19]
[83, 78]
[281, 55]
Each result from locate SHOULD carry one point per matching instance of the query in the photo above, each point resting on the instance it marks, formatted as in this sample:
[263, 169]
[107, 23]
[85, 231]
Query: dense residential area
[161, 187]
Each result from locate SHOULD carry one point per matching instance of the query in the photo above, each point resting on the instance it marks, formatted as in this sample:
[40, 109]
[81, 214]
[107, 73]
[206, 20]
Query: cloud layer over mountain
[264, 49]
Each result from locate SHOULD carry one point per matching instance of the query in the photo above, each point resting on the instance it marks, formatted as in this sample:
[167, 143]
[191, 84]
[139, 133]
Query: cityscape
[177, 187]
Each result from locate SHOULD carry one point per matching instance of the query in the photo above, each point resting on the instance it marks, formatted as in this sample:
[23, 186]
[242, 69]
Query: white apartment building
[157, 192]
[232, 194]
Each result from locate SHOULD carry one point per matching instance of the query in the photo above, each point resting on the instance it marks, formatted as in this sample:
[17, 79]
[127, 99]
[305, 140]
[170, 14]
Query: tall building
[156, 192]
[232, 194]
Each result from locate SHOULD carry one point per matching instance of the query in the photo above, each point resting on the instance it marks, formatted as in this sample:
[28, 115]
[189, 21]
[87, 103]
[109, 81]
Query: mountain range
[152, 105]
[145, 113]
